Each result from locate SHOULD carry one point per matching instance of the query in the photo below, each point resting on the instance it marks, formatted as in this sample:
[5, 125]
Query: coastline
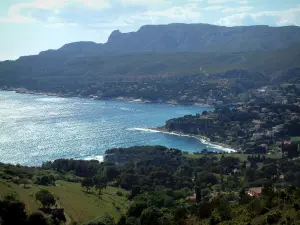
[202, 139]
[37, 95]
[120, 98]
[220, 146]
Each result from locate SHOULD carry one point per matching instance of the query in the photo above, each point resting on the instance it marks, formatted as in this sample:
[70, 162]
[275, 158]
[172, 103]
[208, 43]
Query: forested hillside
[149, 64]
[184, 77]
[153, 185]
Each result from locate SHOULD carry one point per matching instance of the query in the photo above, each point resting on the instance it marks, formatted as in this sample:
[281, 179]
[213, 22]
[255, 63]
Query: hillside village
[268, 118]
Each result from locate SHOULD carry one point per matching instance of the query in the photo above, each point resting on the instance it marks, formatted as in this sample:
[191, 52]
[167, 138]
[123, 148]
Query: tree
[135, 191]
[273, 217]
[151, 216]
[128, 180]
[136, 209]
[205, 178]
[224, 211]
[250, 175]
[204, 210]
[105, 220]
[87, 183]
[58, 215]
[46, 198]
[180, 215]
[198, 194]
[244, 198]
[99, 188]
[37, 218]
[111, 172]
[269, 170]
[125, 220]
[12, 211]
[45, 180]
[268, 189]
[99, 180]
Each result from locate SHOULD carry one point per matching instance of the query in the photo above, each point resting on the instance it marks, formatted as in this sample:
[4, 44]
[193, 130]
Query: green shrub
[119, 193]
[273, 217]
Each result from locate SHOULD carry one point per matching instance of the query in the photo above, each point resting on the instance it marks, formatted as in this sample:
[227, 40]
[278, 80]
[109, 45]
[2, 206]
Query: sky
[30, 26]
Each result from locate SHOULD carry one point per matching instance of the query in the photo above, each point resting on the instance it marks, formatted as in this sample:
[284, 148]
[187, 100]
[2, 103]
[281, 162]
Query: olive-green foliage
[37, 218]
[12, 211]
[45, 197]
[160, 182]
[105, 220]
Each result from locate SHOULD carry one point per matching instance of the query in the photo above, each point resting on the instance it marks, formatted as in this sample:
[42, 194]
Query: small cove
[38, 128]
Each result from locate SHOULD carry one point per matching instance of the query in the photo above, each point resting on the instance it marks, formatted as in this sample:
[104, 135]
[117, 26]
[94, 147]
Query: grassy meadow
[79, 205]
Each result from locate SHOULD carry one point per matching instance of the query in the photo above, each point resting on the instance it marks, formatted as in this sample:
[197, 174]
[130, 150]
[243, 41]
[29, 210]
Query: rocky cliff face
[203, 38]
[190, 38]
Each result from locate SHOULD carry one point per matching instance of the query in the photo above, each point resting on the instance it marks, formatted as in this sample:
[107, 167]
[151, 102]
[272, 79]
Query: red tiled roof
[192, 198]
[256, 191]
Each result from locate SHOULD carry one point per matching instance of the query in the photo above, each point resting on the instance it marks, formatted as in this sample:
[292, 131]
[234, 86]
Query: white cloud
[94, 4]
[237, 9]
[225, 1]
[273, 18]
[213, 8]
[15, 15]
[228, 9]
[244, 2]
[216, 1]
[188, 12]
[143, 2]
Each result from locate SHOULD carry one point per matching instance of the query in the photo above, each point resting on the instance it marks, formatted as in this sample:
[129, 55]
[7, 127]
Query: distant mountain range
[189, 38]
[159, 52]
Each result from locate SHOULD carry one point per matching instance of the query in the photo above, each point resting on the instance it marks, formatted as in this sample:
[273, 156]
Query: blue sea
[38, 128]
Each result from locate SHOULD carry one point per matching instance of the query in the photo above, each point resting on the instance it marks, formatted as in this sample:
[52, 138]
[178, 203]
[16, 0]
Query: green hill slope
[78, 205]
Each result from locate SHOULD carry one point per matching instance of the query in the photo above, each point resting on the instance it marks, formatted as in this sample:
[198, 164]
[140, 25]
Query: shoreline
[100, 158]
[120, 98]
[202, 139]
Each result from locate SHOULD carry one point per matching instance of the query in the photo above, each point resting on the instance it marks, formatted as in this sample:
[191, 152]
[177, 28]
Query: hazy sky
[30, 26]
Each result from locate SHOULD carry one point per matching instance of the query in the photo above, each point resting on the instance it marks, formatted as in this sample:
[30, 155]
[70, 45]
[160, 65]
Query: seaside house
[255, 191]
[192, 198]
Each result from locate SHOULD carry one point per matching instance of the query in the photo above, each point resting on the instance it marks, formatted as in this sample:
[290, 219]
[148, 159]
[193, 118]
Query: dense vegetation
[257, 127]
[60, 198]
[164, 186]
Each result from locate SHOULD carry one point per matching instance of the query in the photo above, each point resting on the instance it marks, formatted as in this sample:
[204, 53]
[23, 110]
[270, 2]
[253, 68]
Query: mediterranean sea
[39, 128]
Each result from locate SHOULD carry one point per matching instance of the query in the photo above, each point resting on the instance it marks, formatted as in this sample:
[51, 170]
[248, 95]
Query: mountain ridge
[159, 68]
[180, 37]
